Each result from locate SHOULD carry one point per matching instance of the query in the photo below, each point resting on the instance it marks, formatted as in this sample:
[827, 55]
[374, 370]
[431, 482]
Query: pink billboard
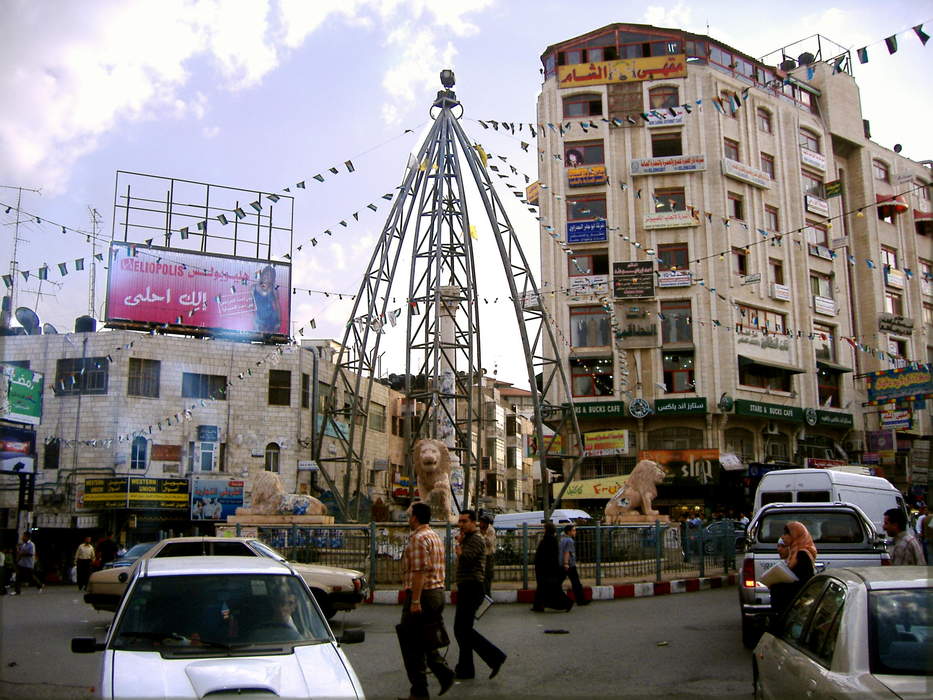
[197, 290]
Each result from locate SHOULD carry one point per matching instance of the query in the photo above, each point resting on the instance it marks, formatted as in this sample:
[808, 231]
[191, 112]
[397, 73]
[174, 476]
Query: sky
[264, 94]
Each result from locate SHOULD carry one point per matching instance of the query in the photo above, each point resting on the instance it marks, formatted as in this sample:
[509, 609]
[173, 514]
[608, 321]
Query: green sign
[692, 405]
[834, 418]
[833, 189]
[603, 409]
[20, 395]
[770, 411]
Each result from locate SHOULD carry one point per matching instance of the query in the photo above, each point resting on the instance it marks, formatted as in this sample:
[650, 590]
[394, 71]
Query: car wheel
[750, 633]
[324, 603]
[708, 547]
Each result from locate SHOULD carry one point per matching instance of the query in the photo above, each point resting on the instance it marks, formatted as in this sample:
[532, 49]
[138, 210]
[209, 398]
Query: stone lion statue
[640, 489]
[269, 498]
[432, 474]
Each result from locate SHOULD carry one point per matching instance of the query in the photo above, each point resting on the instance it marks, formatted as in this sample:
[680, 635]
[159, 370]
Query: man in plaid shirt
[423, 583]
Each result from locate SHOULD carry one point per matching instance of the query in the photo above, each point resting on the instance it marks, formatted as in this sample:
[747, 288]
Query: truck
[873, 494]
[843, 534]
[559, 516]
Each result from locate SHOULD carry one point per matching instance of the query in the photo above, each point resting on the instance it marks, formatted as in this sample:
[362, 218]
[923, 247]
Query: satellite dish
[49, 329]
[28, 320]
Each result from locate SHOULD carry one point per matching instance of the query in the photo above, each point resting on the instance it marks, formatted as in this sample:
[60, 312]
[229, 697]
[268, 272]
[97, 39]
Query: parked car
[224, 626]
[723, 536]
[333, 587]
[842, 533]
[851, 633]
[129, 557]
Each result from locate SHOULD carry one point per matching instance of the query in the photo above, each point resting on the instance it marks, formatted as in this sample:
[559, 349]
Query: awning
[832, 366]
[900, 204]
[923, 215]
[731, 462]
[745, 360]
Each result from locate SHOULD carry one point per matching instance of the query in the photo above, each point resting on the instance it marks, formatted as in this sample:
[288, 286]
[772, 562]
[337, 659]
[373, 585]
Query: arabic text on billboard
[586, 231]
[197, 290]
[622, 71]
[668, 164]
[600, 443]
[591, 175]
[899, 383]
[215, 499]
[633, 279]
[20, 395]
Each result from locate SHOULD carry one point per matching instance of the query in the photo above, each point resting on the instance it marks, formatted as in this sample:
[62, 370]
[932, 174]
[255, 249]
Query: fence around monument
[605, 553]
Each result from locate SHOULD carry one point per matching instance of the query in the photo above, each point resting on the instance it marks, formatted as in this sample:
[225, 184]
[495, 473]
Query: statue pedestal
[639, 519]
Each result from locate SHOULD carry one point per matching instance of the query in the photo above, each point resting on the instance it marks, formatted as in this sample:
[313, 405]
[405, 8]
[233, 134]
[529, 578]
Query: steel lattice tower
[443, 359]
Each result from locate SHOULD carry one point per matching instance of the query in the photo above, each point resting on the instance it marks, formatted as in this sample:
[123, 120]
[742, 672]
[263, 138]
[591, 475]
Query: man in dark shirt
[471, 566]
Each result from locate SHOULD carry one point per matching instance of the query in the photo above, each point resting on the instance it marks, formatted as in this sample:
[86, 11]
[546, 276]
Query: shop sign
[674, 278]
[637, 336]
[770, 411]
[20, 395]
[215, 499]
[815, 205]
[833, 189]
[834, 419]
[902, 325]
[633, 279]
[165, 453]
[601, 443]
[309, 465]
[680, 406]
[701, 465]
[671, 219]
[554, 444]
[897, 420]
[892, 384]
[589, 284]
[781, 292]
[334, 428]
[746, 173]
[532, 192]
[582, 177]
[105, 493]
[208, 433]
[625, 70]
[605, 487]
[894, 277]
[813, 159]
[601, 409]
[664, 118]
[586, 231]
[668, 164]
[158, 494]
[824, 305]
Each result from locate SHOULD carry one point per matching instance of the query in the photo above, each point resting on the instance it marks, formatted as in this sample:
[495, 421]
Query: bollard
[372, 556]
[525, 556]
[599, 554]
[658, 550]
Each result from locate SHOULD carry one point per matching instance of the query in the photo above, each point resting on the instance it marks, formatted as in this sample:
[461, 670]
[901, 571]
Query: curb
[613, 592]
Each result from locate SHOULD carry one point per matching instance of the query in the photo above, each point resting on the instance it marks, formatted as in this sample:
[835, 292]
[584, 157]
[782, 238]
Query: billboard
[197, 290]
[624, 70]
[215, 499]
[136, 492]
[600, 443]
[633, 280]
[17, 450]
[20, 395]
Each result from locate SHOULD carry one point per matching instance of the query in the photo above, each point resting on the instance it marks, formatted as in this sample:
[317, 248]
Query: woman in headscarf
[800, 558]
[548, 574]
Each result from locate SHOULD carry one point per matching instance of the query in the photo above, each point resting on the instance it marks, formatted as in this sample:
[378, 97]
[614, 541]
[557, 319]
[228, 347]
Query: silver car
[195, 627]
[852, 633]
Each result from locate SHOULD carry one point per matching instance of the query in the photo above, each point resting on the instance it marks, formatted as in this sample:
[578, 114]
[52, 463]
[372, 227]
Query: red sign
[199, 290]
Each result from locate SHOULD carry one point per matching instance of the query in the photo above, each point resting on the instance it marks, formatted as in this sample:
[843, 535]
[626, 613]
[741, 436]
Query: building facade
[725, 256]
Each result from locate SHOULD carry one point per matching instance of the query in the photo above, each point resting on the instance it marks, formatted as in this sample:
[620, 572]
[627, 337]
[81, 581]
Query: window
[591, 377]
[880, 171]
[676, 322]
[139, 453]
[678, 371]
[926, 277]
[730, 149]
[568, 58]
[588, 105]
[663, 97]
[678, 438]
[578, 154]
[668, 144]
[582, 209]
[377, 417]
[893, 304]
[53, 454]
[730, 100]
[589, 326]
[809, 140]
[811, 184]
[208, 452]
[927, 315]
[764, 120]
[767, 164]
[777, 271]
[323, 392]
[817, 234]
[823, 343]
[673, 256]
[305, 390]
[889, 258]
[594, 264]
[741, 442]
[828, 384]
[736, 207]
[764, 376]
[87, 375]
[144, 378]
[273, 452]
[670, 199]
[750, 317]
[280, 387]
[821, 285]
[203, 386]
[772, 219]
[740, 261]
[821, 634]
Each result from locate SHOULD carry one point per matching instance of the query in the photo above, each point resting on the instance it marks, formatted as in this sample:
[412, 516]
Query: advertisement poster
[215, 499]
[633, 280]
[20, 395]
[17, 450]
[603, 443]
[197, 290]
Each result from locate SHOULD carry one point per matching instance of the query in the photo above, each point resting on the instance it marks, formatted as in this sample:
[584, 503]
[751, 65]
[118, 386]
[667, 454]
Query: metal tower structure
[443, 360]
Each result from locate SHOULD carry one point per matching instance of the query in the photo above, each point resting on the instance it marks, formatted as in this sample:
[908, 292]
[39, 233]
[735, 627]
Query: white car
[852, 633]
[218, 627]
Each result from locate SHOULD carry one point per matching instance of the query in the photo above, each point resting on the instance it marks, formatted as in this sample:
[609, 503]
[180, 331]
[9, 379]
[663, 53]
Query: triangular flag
[349, 164]
[319, 177]
[222, 219]
[240, 214]
[79, 264]
[891, 43]
[43, 272]
[99, 256]
[371, 206]
[8, 281]
[333, 170]
[300, 185]
[313, 323]
[63, 269]
[273, 198]
[922, 35]
[862, 54]
[473, 234]
[256, 205]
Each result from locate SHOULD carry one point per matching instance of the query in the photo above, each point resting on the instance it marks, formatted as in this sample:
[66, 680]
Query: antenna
[92, 282]
[16, 237]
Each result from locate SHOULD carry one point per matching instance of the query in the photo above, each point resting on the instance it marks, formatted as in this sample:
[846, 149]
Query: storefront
[136, 508]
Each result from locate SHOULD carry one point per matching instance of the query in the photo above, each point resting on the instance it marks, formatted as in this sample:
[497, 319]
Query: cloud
[678, 16]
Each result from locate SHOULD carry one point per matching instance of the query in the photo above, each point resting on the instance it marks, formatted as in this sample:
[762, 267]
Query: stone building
[726, 255]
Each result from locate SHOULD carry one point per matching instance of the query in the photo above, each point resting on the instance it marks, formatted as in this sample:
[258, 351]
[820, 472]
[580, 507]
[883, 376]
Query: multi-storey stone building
[726, 254]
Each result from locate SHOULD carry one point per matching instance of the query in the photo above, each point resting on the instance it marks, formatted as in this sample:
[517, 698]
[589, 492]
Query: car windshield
[194, 615]
[137, 550]
[824, 527]
[901, 631]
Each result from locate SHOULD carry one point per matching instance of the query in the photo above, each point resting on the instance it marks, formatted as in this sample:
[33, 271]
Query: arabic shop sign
[586, 231]
[813, 159]
[771, 411]
[674, 278]
[815, 205]
[602, 409]
[638, 335]
[622, 71]
[834, 419]
[20, 395]
[902, 325]
[745, 173]
[136, 492]
[633, 279]
[899, 383]
[680, 406]
[671, 219]
[668, 164]
[582, 177]
[532, 192]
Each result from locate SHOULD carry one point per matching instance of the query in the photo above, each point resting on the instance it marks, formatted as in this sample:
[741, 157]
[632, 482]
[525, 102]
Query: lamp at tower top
[447, 78]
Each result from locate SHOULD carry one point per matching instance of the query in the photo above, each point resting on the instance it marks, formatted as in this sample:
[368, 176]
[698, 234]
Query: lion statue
[640, 489]
[432, 473]
[269, 498]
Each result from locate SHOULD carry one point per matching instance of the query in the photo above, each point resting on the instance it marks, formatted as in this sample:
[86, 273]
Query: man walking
[471, 557]
[568, 559]
[83, 558]
[423, 584]
[906, 550]
[489, 537]
[26, 565]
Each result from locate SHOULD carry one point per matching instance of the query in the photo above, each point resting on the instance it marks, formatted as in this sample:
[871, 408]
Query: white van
[560, 517]
[872, 494]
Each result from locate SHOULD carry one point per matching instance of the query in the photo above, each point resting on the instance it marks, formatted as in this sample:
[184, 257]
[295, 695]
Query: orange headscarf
[798, 540]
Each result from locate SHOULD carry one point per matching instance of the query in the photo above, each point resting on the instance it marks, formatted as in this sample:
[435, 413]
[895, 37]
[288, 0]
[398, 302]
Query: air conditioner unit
[856, 445]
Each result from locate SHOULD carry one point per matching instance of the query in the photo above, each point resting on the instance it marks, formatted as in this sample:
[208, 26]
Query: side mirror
[352, 637]
[85, 645]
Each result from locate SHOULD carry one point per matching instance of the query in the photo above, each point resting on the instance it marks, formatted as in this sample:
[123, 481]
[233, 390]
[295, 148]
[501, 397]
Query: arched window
[139, 453]
[675, 439]
[272, 457]
[663, 97]
[741, 442]
[583, 105]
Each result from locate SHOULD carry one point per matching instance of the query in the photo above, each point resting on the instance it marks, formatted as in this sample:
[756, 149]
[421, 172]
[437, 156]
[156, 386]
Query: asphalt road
[677, 646]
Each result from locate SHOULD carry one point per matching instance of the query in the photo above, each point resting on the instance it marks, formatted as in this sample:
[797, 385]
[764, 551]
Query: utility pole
[16, 238]
[92, 283]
